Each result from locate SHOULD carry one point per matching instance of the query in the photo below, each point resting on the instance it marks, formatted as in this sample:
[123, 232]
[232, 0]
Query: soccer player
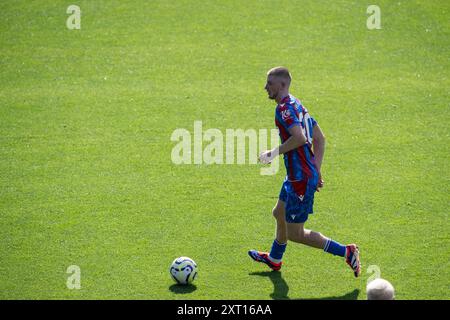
[300, 136]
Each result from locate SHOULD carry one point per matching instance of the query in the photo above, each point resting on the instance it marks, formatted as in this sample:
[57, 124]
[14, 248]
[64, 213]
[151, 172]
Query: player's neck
[280, 97]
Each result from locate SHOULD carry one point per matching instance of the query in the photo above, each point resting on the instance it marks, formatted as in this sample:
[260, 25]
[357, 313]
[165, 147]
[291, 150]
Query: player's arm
[296, 140]
[319, 150]
[318, 145]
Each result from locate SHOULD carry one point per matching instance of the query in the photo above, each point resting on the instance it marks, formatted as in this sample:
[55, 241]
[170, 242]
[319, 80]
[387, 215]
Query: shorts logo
[301, 197]
[293, 216]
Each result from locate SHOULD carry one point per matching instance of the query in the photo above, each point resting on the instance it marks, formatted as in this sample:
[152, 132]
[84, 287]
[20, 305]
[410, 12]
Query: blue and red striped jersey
[299, 163]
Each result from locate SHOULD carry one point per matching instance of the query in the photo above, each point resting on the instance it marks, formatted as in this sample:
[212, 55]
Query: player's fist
[267, 156]
[320, 183]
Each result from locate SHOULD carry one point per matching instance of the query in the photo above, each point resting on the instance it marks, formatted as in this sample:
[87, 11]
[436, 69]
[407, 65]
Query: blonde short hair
[281, 72]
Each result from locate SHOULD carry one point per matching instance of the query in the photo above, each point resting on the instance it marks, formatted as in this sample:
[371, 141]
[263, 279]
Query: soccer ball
[183, 270]
[380, 289]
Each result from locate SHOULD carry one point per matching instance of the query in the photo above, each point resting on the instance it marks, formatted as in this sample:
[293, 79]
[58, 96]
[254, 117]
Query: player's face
[273, 87]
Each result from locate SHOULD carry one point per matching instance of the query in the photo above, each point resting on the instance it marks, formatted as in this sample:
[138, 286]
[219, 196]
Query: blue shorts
[299, 199]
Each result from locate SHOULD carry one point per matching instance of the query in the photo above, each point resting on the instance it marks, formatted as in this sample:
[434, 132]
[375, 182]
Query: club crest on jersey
[285, 114]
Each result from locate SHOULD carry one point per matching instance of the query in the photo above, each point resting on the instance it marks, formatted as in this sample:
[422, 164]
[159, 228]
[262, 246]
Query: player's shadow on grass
[281, 288]
[182, 289]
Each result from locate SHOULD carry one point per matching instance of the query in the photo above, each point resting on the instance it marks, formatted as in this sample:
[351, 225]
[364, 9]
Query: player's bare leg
[273, 259]
[297, 233]
[279, 214]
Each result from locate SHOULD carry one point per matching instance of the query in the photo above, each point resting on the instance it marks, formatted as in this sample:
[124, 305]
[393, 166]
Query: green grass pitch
[86, 116]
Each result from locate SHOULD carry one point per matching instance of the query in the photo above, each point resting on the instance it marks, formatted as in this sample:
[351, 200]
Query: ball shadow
[183, 289]
[352, 295]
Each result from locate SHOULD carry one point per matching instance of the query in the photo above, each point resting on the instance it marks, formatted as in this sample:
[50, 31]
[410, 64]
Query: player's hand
[267, 156]
[320, 183]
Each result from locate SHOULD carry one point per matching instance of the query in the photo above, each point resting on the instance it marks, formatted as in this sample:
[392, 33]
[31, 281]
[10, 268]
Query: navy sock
[335, 248]
[276, 253]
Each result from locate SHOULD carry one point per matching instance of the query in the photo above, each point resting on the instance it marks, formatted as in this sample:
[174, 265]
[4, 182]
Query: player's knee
[277, 213]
